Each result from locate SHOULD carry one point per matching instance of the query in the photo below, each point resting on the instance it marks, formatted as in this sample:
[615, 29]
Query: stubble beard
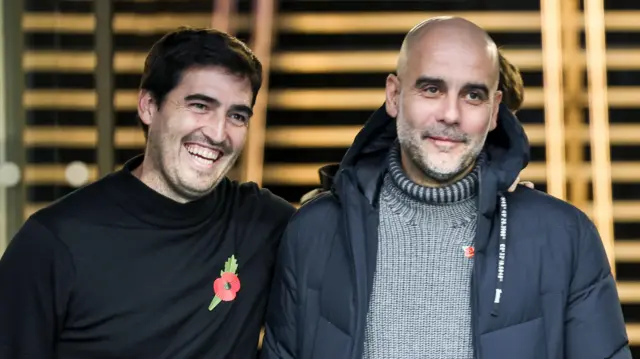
[411, 143]
[159, 176]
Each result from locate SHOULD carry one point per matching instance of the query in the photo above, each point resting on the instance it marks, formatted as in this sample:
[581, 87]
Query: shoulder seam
[58, 240]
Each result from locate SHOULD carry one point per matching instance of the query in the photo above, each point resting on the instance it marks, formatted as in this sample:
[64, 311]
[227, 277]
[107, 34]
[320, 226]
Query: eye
[239, 119]
[431, 90]
[475, 96]
[199, 107]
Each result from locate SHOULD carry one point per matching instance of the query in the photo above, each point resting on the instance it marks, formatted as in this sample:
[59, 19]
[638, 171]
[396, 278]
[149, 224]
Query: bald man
[420, 251]
[512, 87]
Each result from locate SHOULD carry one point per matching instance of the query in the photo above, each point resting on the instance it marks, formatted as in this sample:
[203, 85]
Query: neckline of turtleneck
[458, 191]
[156, 209]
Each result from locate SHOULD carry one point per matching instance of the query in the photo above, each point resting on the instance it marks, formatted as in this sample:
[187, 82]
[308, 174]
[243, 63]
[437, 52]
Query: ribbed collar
[152, 207]
[461, 190]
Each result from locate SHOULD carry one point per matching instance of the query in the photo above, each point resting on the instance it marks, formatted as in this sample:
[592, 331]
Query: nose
[216, 127]
[451, 109]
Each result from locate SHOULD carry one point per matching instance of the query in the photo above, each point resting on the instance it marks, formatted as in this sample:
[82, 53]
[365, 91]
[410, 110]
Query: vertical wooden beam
[13, 43]
[574, 106]
[263, 31]
[221, 18]
[104, 86]
[4, 239]
[599, 124]
[550, 14]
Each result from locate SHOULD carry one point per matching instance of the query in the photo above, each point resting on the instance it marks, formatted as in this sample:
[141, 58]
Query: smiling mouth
[442, 139]
[204, 155]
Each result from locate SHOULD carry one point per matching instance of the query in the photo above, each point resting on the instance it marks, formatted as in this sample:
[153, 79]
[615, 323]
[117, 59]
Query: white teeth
[203, 152]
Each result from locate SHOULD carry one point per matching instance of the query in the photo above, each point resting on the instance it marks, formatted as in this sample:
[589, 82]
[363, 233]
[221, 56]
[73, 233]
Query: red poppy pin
[226, 287]
[469, 251]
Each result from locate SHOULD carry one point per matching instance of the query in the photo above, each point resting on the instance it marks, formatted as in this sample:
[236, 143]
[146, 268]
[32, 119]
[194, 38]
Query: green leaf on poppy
[231, 265]
[214, 302]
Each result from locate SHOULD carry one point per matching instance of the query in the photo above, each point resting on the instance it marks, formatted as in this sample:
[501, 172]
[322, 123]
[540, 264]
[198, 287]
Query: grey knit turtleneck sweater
[420, 305]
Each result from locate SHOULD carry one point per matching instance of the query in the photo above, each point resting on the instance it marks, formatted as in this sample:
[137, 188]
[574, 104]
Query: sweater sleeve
[36, 274]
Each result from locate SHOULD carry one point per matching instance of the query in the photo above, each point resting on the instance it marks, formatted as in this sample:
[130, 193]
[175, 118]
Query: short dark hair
[511, 84]
[186, 48]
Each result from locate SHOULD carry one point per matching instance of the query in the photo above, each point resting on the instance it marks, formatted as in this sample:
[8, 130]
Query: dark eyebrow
[426, 80]
[203, 98]
[476, 87]
[472, 86]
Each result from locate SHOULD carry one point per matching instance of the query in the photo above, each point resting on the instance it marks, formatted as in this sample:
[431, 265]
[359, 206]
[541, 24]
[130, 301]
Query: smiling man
[166, 258]
[420, 250]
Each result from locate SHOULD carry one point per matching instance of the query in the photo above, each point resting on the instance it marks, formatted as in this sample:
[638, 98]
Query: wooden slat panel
[617, 20]
[58, 22]
[128, 137]
[623, 211]
[53, 174]
[401, 22]
[129, 62]
[63, 136]
[628, 251]
[633, 332]
[318, 23]
[629, 292]
[59, 61]
[132, 23]
[59, 99]
[144, 24]
[305, 61]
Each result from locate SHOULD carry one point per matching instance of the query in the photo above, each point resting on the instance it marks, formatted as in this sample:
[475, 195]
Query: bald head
[447, 31]
[445, 98]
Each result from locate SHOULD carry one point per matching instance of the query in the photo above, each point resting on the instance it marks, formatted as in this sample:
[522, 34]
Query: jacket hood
[507, 149]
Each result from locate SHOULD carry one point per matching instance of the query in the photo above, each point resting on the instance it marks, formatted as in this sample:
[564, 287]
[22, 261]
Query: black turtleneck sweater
[116, 270]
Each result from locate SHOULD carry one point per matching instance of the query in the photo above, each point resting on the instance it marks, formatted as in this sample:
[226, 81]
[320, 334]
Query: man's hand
[517, 182]
[310, 195]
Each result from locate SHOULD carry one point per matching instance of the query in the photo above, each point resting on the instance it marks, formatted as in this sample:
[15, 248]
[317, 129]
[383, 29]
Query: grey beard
[439, 176]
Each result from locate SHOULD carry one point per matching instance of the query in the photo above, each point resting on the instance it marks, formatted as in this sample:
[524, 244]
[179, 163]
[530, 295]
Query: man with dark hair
[419, 250]
[166, 258]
